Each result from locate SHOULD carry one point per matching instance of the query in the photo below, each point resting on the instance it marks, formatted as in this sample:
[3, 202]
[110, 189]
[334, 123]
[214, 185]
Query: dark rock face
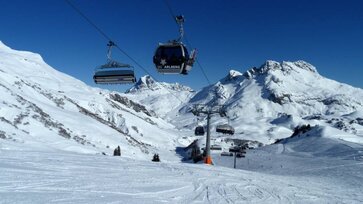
[131, 104]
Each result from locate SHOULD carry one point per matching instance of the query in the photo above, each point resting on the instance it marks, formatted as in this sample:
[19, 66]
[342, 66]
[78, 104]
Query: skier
[156, 158]
[117, 151]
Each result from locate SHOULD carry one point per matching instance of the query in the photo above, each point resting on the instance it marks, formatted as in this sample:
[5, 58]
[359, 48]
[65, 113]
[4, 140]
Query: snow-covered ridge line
[148, 83]
[261, 95]
[285, 67]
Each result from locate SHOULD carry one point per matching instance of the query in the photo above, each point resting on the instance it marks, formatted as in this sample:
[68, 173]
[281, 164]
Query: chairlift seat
[227, 154]
[240, 155]
[114, 77]
[114, 72]
[225, 129]
[215, 147]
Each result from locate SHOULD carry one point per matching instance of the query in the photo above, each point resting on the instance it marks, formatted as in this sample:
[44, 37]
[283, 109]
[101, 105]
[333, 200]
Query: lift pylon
[199, 109]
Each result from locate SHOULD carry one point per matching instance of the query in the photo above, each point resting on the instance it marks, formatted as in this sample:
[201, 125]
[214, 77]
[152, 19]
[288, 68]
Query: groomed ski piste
[57, 136]
[267, 175]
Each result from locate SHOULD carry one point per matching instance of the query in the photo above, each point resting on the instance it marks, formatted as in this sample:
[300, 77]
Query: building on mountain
[193, 151]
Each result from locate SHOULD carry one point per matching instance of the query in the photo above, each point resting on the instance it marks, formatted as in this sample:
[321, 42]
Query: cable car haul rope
[177, 60]
[171, 57]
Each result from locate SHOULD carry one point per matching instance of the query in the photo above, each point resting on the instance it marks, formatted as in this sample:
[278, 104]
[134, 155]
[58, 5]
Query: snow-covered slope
[40, 105]
[266, 103]
[47, 118]
[30, 176]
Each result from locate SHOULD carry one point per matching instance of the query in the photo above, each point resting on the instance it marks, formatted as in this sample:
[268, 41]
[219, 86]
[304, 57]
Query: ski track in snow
[62, 177]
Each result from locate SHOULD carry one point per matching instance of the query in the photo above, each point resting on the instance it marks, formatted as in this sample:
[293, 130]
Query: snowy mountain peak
[303, 65]
[285, 68]
[161, 97]
[24, 55]
[233, 74]
[2, 45]
[231, 77]
[147, 83]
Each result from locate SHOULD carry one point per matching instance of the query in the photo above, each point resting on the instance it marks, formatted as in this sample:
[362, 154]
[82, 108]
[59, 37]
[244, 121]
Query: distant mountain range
[45, 108]
[267, 103]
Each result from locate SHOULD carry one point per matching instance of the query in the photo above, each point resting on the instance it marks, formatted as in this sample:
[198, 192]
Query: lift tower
[199, 109]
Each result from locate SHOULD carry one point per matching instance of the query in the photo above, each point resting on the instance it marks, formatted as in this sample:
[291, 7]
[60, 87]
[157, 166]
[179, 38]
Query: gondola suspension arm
[180, 21]
[109, 51]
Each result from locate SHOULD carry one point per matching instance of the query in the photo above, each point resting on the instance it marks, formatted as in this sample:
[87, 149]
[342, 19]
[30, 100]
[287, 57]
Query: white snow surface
[161, 97]
[268, 175]
[41, 104]
[57, 135]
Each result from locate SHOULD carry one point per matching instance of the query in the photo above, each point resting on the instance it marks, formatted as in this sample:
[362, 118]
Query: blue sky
[229, 34]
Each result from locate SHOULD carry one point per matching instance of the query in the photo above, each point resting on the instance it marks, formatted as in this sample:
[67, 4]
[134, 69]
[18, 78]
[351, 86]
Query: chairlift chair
[225, 129]
[114, 72]
[114, 77]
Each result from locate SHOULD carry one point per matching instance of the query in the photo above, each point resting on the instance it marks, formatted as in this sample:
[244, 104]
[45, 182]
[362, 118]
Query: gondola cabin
[172, 58]
[199, 131]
